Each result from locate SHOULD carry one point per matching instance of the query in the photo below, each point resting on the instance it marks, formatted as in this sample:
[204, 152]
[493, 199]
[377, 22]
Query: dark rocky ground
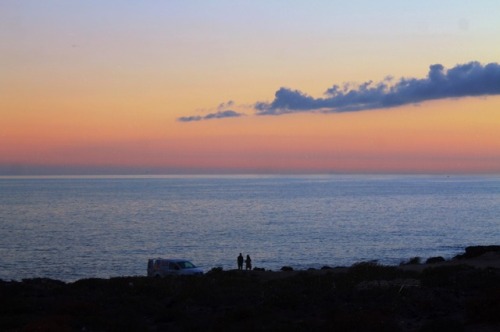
[462, 295]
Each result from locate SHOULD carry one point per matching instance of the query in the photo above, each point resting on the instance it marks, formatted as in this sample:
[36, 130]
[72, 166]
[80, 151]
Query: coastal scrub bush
[370, 271]
[484, 307]
[362, 319]
[374, 271]
[443, 325]
[442, 276]
[478, 279]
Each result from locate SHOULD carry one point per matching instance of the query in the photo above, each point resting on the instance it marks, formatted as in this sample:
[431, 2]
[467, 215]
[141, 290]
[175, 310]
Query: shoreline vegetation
[461, 294]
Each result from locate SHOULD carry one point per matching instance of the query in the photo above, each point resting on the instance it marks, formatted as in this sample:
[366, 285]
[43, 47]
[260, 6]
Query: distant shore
[460, 294]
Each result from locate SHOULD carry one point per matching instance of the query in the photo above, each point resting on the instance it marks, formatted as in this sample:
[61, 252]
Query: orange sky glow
[94, 93]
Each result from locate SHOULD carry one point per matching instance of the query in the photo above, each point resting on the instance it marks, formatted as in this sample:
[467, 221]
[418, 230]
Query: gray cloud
[216, 115]
[224, 106]
[470, 79]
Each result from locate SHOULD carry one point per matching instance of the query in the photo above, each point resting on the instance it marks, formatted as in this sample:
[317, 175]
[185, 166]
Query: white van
[160, 267]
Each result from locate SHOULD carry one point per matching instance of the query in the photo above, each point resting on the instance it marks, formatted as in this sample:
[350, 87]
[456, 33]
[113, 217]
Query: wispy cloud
[221, 113]
[471, 79]
[217, 115]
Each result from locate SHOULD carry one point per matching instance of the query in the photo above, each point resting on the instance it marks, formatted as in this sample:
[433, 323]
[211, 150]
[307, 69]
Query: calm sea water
[81, 227]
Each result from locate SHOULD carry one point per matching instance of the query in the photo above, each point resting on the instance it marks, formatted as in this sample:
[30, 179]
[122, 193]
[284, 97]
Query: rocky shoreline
[462, 294]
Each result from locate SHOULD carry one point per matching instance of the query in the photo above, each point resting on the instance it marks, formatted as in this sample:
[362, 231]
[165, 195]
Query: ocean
[70, 228]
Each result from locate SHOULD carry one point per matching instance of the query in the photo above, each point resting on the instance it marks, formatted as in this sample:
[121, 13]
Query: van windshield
[186, 265]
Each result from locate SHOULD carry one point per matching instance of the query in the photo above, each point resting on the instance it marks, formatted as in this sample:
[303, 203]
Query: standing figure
[240, 262]
[248, 263]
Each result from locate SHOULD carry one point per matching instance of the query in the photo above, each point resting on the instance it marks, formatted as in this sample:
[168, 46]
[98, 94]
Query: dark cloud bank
[464, 80]
[471, 79]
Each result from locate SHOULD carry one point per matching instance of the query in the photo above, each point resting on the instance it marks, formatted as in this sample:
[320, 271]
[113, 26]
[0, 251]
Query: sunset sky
[229, 86]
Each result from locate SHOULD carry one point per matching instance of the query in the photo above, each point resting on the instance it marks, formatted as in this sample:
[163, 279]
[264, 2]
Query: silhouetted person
[240, 262]
[248, 263]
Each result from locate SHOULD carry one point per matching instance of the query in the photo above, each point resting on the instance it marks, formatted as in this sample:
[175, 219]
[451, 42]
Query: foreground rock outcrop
[364, 297]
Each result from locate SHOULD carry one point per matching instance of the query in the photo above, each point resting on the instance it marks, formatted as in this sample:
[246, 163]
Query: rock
[475, 251]
[434, 260]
